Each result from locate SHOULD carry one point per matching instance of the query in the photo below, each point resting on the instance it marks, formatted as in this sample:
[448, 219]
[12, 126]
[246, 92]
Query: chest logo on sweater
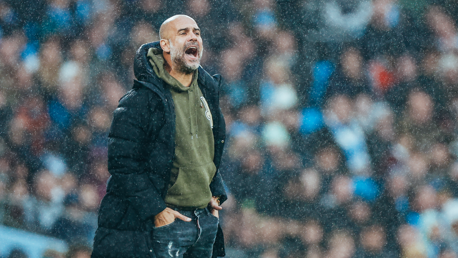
[208, 114]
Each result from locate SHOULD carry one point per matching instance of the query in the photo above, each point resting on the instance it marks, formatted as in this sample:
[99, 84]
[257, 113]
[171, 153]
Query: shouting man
[165, 147]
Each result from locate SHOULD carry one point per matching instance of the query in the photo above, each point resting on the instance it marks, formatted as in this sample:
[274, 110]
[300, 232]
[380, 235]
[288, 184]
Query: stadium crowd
[342, 119]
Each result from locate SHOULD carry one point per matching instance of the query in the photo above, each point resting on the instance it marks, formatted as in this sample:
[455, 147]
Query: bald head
[170, 25]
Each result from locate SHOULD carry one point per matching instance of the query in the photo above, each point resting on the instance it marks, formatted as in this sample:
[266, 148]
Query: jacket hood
[143, 71]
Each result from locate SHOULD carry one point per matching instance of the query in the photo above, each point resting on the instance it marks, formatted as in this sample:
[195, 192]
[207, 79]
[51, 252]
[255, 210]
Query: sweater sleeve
[127, 153]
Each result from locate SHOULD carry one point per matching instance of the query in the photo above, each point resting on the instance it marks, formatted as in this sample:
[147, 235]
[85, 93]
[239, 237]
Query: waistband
[190, 210]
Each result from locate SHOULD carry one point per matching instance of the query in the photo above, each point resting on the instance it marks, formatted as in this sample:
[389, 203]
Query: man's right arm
[127, 153]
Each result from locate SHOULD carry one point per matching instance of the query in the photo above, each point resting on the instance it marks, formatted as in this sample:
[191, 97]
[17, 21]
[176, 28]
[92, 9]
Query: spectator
[14, 213]
[235, 87]
[381, 140]
[336, 203]
[277, 92]
[300, 198]
[50, 62]
[71, 226]
[311, 235]
[247, 180]
[341, 245]
[417, 120]
[397, 94]
[383, 36]
[409, 240]
[348, 134]
[373, 243]
[349, 79]
[43, 209]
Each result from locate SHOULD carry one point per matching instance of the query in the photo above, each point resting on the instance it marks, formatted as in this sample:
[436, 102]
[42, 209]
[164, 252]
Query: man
[165, 147]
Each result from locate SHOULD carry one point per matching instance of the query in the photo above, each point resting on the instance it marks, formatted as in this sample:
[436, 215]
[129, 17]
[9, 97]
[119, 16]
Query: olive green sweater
[193, 167]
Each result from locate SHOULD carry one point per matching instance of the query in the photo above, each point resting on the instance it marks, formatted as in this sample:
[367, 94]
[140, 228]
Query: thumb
[181, 216]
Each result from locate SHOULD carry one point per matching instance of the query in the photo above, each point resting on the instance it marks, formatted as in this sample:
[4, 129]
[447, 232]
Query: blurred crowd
[342, 119]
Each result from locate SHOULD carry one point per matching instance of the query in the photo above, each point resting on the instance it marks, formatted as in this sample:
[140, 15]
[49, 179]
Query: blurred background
[341, 118]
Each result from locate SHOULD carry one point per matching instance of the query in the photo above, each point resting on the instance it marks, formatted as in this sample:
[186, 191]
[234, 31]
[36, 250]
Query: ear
[165, 45]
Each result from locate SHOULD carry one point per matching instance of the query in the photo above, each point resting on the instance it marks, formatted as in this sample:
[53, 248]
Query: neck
[183, 78]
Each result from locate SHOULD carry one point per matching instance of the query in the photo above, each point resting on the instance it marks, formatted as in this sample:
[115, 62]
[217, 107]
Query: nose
[193, 36]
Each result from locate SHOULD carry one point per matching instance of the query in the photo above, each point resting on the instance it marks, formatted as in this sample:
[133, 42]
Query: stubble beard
[178, 57]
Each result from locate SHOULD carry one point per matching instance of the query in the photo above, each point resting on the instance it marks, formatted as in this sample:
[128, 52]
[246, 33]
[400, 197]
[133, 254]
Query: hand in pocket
[168, 216]
[214, 206]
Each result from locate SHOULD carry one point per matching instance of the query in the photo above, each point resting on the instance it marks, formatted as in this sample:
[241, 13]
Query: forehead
[183, 23]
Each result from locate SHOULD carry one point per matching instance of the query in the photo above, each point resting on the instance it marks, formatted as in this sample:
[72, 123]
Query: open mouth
[192, 51]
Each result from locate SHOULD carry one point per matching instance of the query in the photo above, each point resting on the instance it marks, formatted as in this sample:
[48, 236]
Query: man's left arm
[217, 186]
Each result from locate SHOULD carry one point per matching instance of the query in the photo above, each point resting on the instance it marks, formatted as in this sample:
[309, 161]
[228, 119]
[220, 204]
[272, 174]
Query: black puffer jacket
[141, 150]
